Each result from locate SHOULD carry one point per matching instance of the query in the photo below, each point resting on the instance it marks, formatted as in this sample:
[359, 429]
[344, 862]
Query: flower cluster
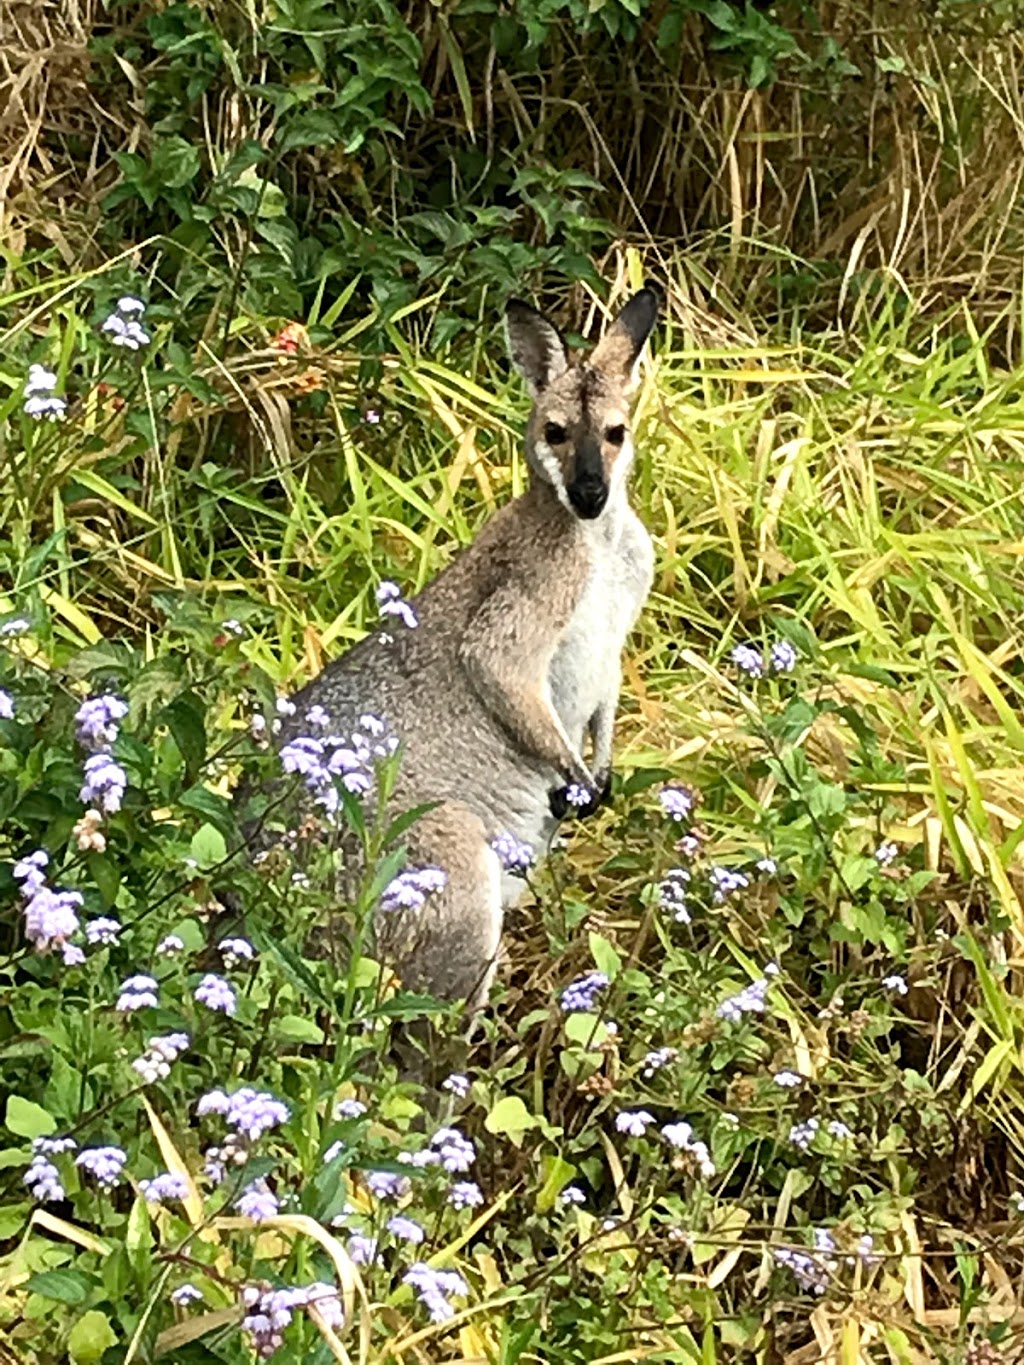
[40, 399]
[410, 889]
[514, 857]
[635, 1122]
[270, 1311]
[42, 1177]
[6, 705]
[137, 993]
[465, 1194]
[680, 1136]
[97, 722]
[325, 763]
[258, 1202]
[51, 917]
[656, 1059]
[672, 894]
[236, 950]
[392, 603]
[782, 658]
[104, 786]
[250, 1112]
[155, 1063]
[802, 1134]
[454, 1151]
[581, 994]
[725, 882]
[124, 325]
[405, 1229]
[163, 1187]
[216, 994]
[678, 801]
[435, 1288]
[104, 1164]
[456, 1085]
[750, 1000]
[812, 1270]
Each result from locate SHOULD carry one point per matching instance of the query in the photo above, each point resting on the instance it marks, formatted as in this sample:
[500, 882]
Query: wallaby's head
[578, 437]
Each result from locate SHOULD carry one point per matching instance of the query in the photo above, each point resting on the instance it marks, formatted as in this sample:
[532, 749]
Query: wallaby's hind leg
[450, 947]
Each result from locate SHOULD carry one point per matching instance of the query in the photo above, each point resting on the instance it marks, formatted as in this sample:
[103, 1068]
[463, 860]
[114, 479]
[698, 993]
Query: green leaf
[187, 724]
[557, 1174]
[90, 1337]
[103, 871]
[605, 956]
[294, 1028]
[28, 1119]
[208, 846]
[511, 1118]
[63, 1286]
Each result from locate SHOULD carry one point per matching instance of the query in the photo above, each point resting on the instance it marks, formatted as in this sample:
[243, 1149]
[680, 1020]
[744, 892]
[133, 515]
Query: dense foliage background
[790, 1123]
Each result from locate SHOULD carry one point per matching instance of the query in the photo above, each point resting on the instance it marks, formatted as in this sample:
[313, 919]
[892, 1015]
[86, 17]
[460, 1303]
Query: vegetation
[750, 1085]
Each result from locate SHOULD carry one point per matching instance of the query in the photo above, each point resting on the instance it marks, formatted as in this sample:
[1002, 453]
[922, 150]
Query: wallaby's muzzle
[588, 491]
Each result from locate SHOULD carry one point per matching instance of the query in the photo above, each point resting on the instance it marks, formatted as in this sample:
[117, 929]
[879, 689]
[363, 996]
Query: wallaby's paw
[579, 801]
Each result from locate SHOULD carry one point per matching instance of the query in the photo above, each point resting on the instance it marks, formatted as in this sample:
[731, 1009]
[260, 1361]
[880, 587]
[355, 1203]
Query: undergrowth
[749, 1085]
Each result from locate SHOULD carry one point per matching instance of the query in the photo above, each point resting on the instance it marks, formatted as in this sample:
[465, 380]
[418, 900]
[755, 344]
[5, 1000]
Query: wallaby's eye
[554, 434]
[615, 435]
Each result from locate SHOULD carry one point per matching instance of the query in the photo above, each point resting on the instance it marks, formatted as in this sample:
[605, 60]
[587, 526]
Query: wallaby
[515, 657]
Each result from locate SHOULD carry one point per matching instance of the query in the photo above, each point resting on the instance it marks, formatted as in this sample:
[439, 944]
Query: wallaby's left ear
[619, 349]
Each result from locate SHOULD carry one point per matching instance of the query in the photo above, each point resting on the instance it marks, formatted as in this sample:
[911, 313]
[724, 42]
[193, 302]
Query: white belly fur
[586, 668]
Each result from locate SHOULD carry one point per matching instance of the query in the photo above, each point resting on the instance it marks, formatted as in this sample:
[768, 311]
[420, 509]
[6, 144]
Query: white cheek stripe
[548, 461]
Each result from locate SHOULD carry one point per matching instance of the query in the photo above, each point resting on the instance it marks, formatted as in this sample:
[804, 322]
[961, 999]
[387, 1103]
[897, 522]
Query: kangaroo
[515, 658]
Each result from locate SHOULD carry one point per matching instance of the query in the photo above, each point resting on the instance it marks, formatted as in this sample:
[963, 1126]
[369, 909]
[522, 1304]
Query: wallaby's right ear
[535, 345]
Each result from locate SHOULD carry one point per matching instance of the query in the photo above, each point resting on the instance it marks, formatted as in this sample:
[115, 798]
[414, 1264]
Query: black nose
[588, 495]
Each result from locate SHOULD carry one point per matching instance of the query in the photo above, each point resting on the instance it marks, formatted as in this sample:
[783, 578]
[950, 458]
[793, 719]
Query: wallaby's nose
[588, 497]
[588, 491]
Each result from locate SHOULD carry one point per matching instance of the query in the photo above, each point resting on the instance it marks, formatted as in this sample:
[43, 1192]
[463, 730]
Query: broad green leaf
[28, 1119]
[510, 1118]
[208, 846]
[91, 1336]
[63, 1286]
[605, 957]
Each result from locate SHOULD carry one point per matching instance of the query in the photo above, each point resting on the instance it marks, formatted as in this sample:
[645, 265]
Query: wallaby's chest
[586, 665]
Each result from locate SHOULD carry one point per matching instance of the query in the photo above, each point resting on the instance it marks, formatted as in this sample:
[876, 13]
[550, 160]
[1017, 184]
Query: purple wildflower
[577, 795]
[43, 1181]
[748, 660]
[349, 1109]
[680, 1136]
[725, 882]
[216, 994]
[811, 1269]
[362, 1250]
[572, 1194]
[155, 1063]
[886, 853]
[387, 1184]
[40, 400]
[6, 706]
[163, 1187]
[17, 625]
[457, 1153]
[434, 1288]
[235, 950]
[29, 871]
[672, 894]
[678, 801]
[655, 1060]
[97, 722]
[51, 918]
[170, 946]
[257, 1202]
[456, 1085]
[514, 857]
[634, 1122]
[186, 1294]
[410, 889]
[465, 1194]
[250, 1112]
[788, 1080]
[405, 1229]
[750, 1000]
[783, 656]
[104, 1164]
[581, 994]
[105, 783]
[391, 603]
[896, 984]
[137, 993]
[802, 1134]
[103, 931]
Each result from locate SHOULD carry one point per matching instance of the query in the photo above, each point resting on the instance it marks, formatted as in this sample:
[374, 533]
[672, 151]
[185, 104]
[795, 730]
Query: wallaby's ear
[619, 349]
[535, 345]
